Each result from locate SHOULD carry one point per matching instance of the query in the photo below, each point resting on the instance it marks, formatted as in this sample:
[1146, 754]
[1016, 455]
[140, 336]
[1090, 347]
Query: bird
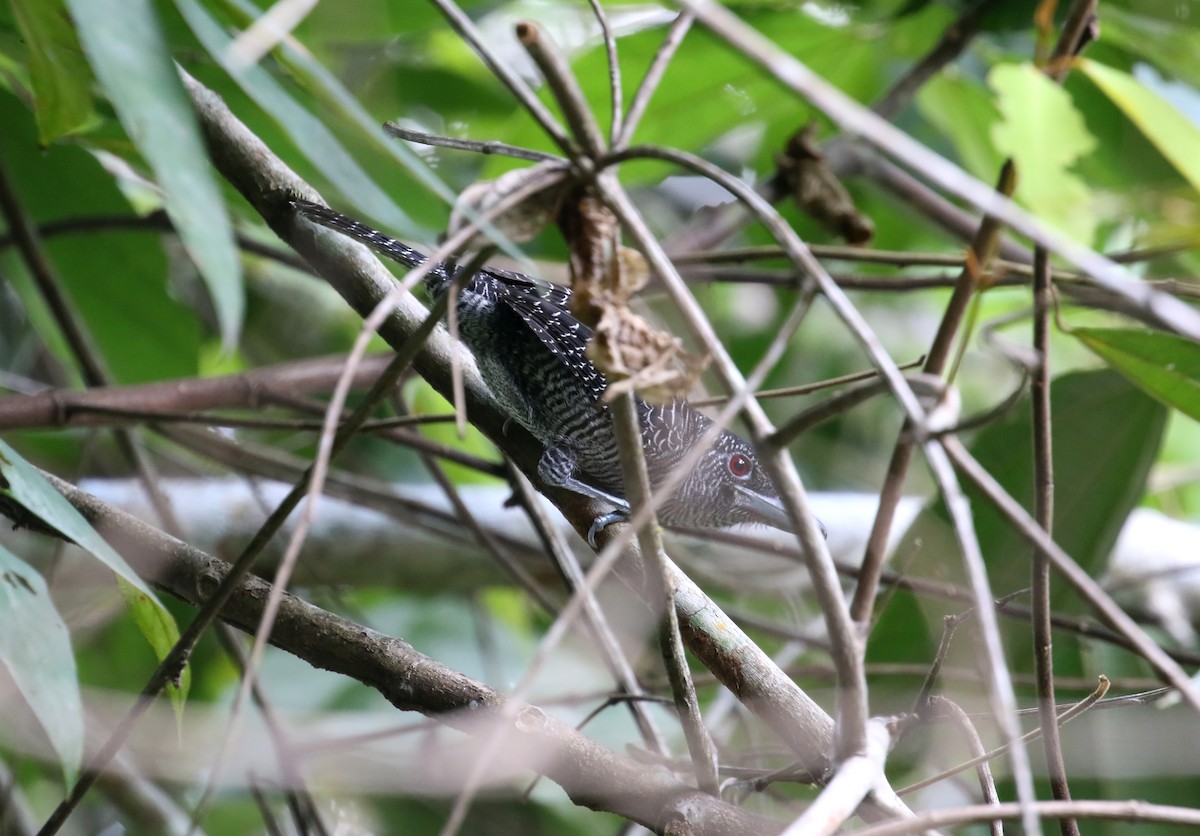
[532, 354]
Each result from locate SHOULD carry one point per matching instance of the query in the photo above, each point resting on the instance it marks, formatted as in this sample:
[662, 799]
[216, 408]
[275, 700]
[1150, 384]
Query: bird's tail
[385, 245]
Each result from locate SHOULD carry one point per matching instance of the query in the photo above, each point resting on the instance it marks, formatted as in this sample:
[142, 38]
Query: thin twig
[856, 119]
[1065, 717]
[654, 74]
[949, 627]
[563, 84]
[1071, 38]
[614, 70]
[843, 402]
[980, 254]
[954, 39]
[502, 149]
[1130, 811]
[1000, 690]
[462, 24]
[572, 575]
[662, 594]
[1043, 460]
[1084, 584]
[805, 388]
[987, 783]
[1069, 43]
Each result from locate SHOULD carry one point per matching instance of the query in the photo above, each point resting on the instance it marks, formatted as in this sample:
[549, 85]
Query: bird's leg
[557, 467]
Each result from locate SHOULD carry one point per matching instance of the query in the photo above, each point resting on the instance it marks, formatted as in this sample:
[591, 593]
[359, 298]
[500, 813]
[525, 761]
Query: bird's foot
[557, 467]
[604, 521]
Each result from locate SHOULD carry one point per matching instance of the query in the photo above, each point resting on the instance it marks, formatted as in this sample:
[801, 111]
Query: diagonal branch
[590, 774]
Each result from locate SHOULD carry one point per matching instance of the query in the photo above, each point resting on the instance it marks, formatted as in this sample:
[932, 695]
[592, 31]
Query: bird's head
[728, 486]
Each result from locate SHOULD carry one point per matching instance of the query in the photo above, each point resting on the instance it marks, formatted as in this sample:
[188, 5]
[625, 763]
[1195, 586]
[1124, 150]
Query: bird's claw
[602, 522]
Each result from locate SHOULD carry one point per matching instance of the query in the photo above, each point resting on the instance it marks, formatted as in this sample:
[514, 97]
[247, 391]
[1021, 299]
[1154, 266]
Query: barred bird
[532, 353]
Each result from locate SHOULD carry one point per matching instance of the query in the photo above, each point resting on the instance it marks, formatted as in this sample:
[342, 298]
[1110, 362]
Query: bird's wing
[542, 306]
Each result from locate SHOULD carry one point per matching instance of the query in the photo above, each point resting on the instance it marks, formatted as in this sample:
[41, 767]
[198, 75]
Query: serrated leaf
[1175, 136]
[23, 483]
[963, 111]
[35, 646]
[58, 72]
[1045, 135]
[126, 48]
[1165, 366]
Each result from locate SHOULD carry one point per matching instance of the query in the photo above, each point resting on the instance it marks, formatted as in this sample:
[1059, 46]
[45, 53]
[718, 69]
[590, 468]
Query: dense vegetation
[172, 337]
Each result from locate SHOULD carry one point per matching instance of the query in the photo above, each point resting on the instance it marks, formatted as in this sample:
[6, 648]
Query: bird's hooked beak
[769, 509]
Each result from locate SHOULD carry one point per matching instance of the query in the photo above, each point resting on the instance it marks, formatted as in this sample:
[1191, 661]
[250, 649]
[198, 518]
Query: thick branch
[590, 774]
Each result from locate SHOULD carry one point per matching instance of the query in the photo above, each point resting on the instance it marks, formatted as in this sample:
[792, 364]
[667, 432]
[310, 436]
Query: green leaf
[1172, 133]
[127, 51]
[1045, 135]
[23, 483]
[327, 89]
[963, 111]
[1105, 435]
[117, 279]
[13, 75]
[61, 79]
[1169, 44]
[311, 136]
[161, 633]
[36, 648]
[1165, 366]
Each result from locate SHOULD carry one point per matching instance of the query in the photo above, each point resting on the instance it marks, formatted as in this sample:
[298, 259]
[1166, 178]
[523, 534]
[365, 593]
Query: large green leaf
[708, 93]
[1165, 366]
[1105, 434]
[22, 482]
[58, 71]
[115, 279]
[132, 61]
[1044, 135]
[36, 648]
[1175, 136]
[964, 112]
[1169, 44]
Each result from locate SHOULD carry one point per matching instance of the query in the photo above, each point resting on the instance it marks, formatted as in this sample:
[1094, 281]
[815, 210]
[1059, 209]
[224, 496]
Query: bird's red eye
[740, 466]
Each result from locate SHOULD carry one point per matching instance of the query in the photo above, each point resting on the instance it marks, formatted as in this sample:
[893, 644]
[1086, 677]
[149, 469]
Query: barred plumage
[532, 353]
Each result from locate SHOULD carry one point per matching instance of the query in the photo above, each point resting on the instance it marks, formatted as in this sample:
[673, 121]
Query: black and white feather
[532, 353]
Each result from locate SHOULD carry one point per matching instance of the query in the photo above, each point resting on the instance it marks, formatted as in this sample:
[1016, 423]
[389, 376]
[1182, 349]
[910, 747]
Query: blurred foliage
[1110, 158]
